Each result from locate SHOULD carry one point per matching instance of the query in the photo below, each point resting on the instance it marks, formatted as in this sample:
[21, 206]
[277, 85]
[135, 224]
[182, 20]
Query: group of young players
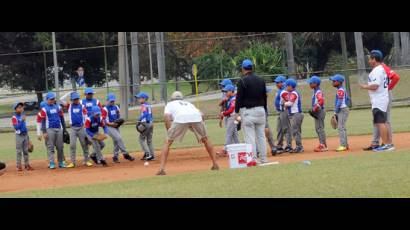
[86, 117]
[288, 105]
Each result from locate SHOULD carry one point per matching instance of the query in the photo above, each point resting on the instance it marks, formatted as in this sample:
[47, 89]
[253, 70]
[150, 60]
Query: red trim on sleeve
[43, 113]
[320, 99]
[285, 96]
[340, 94]
[394, 79]
[87, 123]
[293, 97]
[14, 120]
[38, 118]
[104, 113]
[231, 109]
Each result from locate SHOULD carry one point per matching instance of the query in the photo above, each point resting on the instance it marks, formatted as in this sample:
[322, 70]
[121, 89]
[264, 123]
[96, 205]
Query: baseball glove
[141, 126]
[30, 147]
[100, 137]
[119, 122]
[313, 114]
[66, 137]
[333, 121]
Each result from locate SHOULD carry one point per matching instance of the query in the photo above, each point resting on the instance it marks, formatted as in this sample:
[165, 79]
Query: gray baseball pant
[145, 139]
[78, 132]
[232, 136]
[253, 121]
[269, 138]
[296, 121]
[283, 128]
[55, 139]
[341, 126]
[98, 147]
[320, 126]
[22, 149]
[376, 133]
[114, 133]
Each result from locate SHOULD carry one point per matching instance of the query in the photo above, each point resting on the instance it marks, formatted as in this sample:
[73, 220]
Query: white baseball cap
[177, 95]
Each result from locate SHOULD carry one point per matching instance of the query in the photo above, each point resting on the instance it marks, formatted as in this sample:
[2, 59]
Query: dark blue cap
[142, 95]
[314, 80]
[377, 53]
[247, 64]
[15, 105]
[229, 88]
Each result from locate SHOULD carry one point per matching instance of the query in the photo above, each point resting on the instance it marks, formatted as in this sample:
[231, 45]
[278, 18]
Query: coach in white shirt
[179, 116]
[379, 97]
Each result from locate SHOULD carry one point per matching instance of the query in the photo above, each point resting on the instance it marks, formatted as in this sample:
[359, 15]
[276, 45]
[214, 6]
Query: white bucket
[240, 155]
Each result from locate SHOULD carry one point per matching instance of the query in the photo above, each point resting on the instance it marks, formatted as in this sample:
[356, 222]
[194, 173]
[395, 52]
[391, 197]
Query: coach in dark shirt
[251, 104]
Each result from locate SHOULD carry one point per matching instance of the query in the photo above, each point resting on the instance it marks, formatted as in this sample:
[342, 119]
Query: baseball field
[351, 174]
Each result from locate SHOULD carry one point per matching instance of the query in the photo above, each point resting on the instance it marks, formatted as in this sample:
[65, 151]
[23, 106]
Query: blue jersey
[278, 105]
[77, 114]
[146, 113]
[111, 113]
[92, 125]
[52, 115]
[90, 103]
[341, 100]
[18, 124]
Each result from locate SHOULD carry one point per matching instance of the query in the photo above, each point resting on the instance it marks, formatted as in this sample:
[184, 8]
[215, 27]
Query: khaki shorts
[178, 130]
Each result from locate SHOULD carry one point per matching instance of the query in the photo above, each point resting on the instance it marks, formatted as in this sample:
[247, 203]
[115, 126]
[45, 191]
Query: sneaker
[150, 157]
[388, 147]
[62, 164]
[341, 149]
[71, 165]
[288, 149]
[321, 148]
[88, 163]
[52, 165]
[104, 163]
[19, 168]
[371, 147]
[143, 157]
[161, 172]
[215, 167]
[274, 151]
[279, 150]
[94, 158]
[128, 157]
[298, 149]
[115, 160]
[28, 168]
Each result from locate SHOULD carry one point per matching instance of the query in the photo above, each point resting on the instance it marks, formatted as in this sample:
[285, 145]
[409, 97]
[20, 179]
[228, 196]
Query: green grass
[359, 122]
[372, 175]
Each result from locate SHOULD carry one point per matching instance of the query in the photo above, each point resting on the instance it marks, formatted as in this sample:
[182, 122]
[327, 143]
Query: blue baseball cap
[229, 88]
[280, 79]
[337, 77]
[377, 53]
[111, 97]
[50, 95]
[89, 90]
[291, 82]
[15, 105]
[96, 110]
[142, 95]
[43, 104]
[74, 95]
[247, 64]
[225, 82]
[314, 80]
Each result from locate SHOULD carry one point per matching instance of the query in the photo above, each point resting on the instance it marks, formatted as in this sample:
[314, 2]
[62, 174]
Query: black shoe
[94, 158]
[128, 157]
[257, 154]
[145, 156]
[288, 149]
[279, 150]
[274, 151]
[298, 150]
[149, 157]
[371, 147]
[104, 163]
[115, 160]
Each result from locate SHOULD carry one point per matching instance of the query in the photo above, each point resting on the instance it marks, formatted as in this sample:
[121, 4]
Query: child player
[318, 112]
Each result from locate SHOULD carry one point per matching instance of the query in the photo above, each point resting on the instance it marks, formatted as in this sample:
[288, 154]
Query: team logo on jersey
[53, 111]
[76, 110]
[89, 104]
[113, 112]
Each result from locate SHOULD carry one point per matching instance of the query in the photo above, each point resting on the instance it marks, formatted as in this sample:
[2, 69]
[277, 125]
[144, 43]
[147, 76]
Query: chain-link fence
[27, 67]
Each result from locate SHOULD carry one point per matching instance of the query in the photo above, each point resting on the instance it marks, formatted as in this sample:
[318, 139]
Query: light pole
[56, 85]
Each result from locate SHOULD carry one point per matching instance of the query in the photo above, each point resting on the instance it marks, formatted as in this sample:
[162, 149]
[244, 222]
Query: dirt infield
[180, 161]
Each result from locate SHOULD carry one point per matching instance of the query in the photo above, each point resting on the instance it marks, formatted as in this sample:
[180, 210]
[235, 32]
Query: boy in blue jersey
[319, 113]
[283, 123]
[110, 114]
[147, 118]
[22, 139]
[341, 110]
[92, 124]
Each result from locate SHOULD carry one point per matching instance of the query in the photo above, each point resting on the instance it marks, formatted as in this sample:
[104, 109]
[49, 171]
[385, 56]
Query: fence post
[122, 70]
[161, 65]
[135, 65]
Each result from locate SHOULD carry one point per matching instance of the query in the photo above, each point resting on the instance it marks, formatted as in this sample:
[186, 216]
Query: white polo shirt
[183, 112]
